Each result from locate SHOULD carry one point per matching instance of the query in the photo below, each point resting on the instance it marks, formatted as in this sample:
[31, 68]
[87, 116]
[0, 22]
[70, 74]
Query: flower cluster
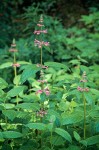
[38, 32]
[83, 80]
[46, 91]
[14, 50]
[41, 113]
[42, 66]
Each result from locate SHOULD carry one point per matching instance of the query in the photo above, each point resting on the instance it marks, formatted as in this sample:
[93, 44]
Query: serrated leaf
[88, 97]
[73, 147]
[57, 140]
[6, 65]
[28, 106]
[64, 134]
[10, 134]
[77, 136]
[39, 126]
[72, 118]
[91, 140]
[15, 91]
[11, 114]
[3, 83]
[56, 65]
[16, 80]
[29, 71]
[7, 105]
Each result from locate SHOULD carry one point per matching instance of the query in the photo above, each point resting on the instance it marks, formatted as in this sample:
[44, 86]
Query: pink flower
[42, 81]
[80, 89]
[41, 113]
[86, 89]
[40, 31]
[40, 25]
[13, 50]
[16, 65]
[47, 92]
[42, 66]
[13, 45]
[39, 91]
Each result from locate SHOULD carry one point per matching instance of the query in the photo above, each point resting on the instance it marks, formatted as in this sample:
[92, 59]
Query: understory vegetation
[49, 83]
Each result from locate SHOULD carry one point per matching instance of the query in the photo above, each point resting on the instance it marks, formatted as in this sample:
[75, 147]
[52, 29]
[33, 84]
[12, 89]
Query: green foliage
[51, 116]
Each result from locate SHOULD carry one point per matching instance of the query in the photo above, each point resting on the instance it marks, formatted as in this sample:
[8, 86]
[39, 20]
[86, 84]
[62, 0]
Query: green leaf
[10, 134]
[88, 97]
[7, 105]
[72, 118]
[11, 114]
[29, 71]
[64, 134]
[3, 84]
[91, 140]
[6, 65]
[39, 126]
[56, 65]
[28, 106]
[16, 80]
[73, 147]
[15, 91]
[57, 140]
[77, 136]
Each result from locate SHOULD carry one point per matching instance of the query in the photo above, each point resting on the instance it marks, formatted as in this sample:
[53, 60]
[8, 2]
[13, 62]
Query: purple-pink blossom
[41, 113]
[40, 25]
[13, 50]
[16, 65]
[42, 66]
[40, 43]
[82, 89]
[40, 31]
[46, 91]
[42, 81]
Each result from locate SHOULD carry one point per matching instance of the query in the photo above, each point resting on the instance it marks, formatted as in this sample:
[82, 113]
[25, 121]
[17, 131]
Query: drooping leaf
[88, 98]
[6, 65]
[72, 118]
[39, 126]
[91, 140]
[7, 105]
[64, 134]
[15, 91]
[11, 114]
[10, 134]
[3, 83]
[77, 136]
[56, 65]
[29, 71]
[29, 106]
[57, 140]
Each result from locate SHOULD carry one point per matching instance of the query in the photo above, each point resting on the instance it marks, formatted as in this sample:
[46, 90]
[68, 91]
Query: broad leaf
[15, 91]
[10, 134]
[91, 140]
[29, 71]
[28, 106]
[39, 126]
[3, 83]
[64, 134]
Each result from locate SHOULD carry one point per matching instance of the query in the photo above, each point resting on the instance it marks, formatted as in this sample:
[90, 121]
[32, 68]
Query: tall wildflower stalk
[15, 64]
[84, 89]
[44, 88]
[40, 43]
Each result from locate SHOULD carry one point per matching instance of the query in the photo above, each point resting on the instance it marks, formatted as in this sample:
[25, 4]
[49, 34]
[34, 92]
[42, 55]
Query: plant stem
[41, 55]
[84, 102]
[51, 140]
[15, 74]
